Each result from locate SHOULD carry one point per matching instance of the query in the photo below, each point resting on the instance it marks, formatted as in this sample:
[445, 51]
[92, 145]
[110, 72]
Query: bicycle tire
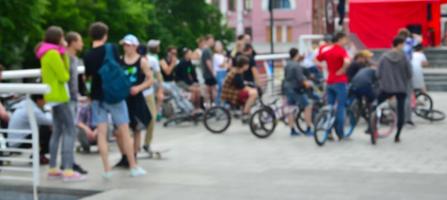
[423, 99]
[264, 115]
[351, 118]
[322, 127]
[387, 117]
[435, 115]
[210, 113]
[300, 122]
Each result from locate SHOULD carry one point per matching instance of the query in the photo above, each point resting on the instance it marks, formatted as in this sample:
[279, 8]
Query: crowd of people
[120, 96]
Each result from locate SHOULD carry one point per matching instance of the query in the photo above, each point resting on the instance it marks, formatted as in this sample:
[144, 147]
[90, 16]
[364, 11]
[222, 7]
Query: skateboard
[156, 154]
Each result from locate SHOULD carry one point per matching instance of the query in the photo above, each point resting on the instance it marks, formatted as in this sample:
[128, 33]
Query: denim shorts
[296, 99]
[101, 111]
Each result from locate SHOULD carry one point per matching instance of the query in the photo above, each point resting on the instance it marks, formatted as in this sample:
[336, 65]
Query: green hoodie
[55, 73]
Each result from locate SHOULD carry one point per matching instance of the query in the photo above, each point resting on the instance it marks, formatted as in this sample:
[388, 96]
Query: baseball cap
[153, 43]
[130, 40]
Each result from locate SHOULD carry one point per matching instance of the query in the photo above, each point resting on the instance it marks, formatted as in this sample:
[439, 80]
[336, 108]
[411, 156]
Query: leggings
[63, 131]
[400, 107]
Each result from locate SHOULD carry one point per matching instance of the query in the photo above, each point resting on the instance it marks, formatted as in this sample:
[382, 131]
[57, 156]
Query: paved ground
[236, 165]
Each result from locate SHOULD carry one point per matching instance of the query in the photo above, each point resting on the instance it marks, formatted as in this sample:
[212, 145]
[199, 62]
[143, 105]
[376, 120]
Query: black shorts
[211, 81]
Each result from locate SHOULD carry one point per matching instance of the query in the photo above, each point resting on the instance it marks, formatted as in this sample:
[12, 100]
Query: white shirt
[154, 66]
[418, 75]
[218, 60]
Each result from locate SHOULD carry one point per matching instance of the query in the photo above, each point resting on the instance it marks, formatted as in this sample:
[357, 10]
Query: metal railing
[16, 171]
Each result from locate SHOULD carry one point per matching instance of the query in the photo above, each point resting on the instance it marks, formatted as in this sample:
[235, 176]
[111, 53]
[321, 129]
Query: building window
[281, 4]
[289, 34]
[232, 5]
[248, 5]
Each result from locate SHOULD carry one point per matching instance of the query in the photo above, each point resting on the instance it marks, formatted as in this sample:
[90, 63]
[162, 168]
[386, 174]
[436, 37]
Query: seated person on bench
[235, 91]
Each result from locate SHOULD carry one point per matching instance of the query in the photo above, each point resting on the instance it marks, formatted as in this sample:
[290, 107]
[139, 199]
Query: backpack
[115, 84]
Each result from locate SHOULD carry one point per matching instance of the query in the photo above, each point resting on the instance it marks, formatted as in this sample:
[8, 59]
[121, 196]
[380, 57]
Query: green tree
[20, 27]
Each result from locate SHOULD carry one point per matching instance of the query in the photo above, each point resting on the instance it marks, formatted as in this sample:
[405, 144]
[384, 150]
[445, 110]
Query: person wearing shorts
[236, 92]
[294, 86]
[209, 74]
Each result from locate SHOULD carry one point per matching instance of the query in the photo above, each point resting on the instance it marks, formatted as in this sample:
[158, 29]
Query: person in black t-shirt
[252, 74]
[186, 77]
[93, 61]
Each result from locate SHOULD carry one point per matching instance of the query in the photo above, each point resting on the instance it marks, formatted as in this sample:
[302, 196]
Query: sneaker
[78, 168]
[54, 174]
[137, 171]
[309, 132]
[245, 119]
[43, 160]
[147, 148]
[72, 176]
[294, 133]
[123, 163]
[107, 175]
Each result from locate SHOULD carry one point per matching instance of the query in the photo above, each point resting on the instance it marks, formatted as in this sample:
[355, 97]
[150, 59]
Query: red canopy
[376, 22]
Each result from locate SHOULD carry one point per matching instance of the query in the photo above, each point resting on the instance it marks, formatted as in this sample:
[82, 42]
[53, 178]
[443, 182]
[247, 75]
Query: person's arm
[3, 114]
[58, 67]
[346, 63]
[148, 81]
[255, 73]
[42, 118]
[209, 64]
[168, 69]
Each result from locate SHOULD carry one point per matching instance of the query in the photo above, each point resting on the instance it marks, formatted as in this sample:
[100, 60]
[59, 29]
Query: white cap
[153, 43]
[130, 40]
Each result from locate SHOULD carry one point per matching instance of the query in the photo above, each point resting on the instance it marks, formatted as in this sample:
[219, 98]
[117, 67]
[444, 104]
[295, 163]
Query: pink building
[292, 18]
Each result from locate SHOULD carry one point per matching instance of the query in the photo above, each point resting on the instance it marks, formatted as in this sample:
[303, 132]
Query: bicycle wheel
[323, 124]
[300, 122]
[423, 103]
[434, 115]
[217, 119]
[263, 123]
[350, 123]
[383, 123]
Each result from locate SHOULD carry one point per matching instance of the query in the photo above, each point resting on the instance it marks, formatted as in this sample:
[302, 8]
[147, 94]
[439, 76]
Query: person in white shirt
[418, 62]
[220, 65]
[154, 95]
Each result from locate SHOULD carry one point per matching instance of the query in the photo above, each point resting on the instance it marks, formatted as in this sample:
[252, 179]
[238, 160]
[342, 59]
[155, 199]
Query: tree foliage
[176, 22]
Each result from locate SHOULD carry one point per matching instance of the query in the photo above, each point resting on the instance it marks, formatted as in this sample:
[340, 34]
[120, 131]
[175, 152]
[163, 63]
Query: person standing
[137, 70]
[418, 62]
[154, 95]
[394, 74]
[220, 64]
[337, 60]
[74, 46]
[101, 109]
[209, 75]
[55, 73]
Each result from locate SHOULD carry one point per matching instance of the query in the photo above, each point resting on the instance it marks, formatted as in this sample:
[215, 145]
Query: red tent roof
[392, 1]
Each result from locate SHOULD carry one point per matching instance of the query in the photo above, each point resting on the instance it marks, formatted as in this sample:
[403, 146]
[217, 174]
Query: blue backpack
[115, 84]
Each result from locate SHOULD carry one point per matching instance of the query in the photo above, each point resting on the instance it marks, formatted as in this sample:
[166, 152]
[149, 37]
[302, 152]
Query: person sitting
[236, 92]
[186, 78]
[20, 121]
[295, 84]
[87, 134]
[168, 66]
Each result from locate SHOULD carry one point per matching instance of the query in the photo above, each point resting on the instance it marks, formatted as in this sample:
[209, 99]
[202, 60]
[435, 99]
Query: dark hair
[208, 37]
[36, 97]
[248, 47]
[72, 37]
[98, 30]
[404, 32]
[54, 35]
[293, 52]
[338, 36]
[241, 61]
[171, 47]
[418, 47]
[398, 41]
[240, 37]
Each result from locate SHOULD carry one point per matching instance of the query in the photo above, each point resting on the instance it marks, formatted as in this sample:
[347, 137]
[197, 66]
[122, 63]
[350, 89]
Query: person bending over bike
[394, 74]
[294, 85]
[236, 92]
[363, 86]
